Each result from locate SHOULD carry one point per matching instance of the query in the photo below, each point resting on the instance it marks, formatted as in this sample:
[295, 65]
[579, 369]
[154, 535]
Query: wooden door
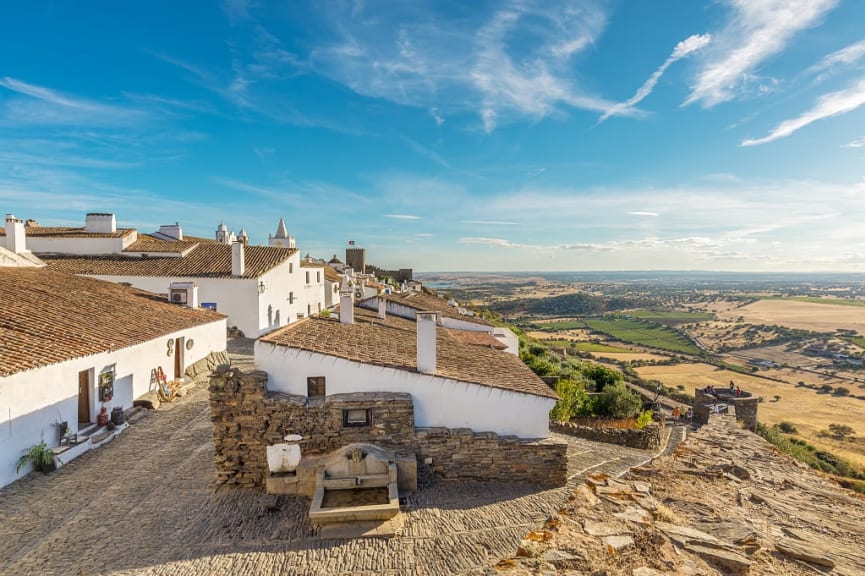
[178, 358]
[84, 396]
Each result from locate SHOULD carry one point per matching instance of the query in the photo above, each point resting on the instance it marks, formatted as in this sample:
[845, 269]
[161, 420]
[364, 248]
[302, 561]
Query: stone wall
[745, 408]
[201, 370]
[649, 438]
[247, 418]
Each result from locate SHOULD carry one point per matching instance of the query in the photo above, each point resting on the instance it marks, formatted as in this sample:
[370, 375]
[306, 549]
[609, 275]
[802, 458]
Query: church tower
[281, 239]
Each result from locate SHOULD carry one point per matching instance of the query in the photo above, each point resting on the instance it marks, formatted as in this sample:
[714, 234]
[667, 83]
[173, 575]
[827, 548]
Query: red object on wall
[102, 419]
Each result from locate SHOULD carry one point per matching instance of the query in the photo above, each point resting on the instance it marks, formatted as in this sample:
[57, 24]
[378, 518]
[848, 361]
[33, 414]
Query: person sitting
[738, 391]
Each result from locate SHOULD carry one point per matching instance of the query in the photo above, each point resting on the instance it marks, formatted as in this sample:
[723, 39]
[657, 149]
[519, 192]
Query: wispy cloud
[403, 217]
[489, 222]
[832, 104]
[860, 143]
[641, 213]
[683, 49]
[46, 106]
[843, 57]
[498, 242]
[420, 57]
[757, 30]
[264, 191]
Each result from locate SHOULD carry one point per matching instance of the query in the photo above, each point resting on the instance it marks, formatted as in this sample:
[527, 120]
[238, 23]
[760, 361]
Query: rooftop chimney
[172, 231]
[100, 223]
[238, 264]
[15, 236]
[346, 301]
[382, 308]
[426, 342]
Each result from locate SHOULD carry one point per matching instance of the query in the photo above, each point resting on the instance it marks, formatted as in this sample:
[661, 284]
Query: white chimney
[382, 308]
[172, 230]
[16, 238]
[238, 264]
[346, 301]
[426, 342]
[100, 223]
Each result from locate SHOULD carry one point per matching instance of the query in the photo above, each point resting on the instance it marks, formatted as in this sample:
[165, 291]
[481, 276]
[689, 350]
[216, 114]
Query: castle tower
[224, 235]
[243, 237]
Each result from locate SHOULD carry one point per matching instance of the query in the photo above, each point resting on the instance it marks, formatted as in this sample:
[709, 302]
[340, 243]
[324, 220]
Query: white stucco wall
[331, 294]
[437, 401]
[30, 401]
[402, 311]
[313, 291]
[237, 298]
[509, 339]
[82, 246]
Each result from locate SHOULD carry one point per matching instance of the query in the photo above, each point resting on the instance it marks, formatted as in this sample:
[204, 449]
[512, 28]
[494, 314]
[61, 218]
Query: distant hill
[564, 305]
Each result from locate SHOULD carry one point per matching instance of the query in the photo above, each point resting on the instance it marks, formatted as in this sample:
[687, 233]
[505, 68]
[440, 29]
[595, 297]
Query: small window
[291, 267]
[318, 277]
[291, 297]
[307, 277]
[308, 309]
[356, 417]
[315, 386]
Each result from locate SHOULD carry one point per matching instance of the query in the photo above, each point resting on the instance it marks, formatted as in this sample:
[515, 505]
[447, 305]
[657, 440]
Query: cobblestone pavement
[145, 504]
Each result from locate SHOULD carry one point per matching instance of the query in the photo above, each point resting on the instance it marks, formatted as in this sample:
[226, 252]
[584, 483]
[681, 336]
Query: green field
[671, 316]
[593, 347]
[560, 325]
[643, 333]
[857, 340]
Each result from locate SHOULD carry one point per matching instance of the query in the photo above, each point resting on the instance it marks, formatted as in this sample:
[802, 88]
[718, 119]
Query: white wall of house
[237, 298]
[31, 400]
[284, 295]
[402, 311]
[331, 294]
[82, 246]
[313, 291]
[508, 338]
[437, 401]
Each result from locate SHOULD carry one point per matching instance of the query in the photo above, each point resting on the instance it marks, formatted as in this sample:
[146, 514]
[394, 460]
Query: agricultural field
[671, 317]
[817, 300]
[643, 333]
[808, 410]
[802, 315]
[628, 356]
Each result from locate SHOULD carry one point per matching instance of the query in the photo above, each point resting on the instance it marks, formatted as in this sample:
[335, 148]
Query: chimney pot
[238, 264]
[16, 237]
[382, 307]
[426, 342]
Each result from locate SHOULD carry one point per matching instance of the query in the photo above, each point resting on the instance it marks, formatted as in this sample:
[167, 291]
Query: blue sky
[593, 135]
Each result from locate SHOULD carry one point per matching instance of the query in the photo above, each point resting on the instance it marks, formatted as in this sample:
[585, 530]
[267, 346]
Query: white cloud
[844, 57]
[758, 30]
[403, 216]
[828, 105]
[489, 222]
[642, 213]
[514, 63]
[684, 48]
[860, 143]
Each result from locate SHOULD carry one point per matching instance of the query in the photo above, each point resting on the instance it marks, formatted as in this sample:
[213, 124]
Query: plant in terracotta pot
[40, 455]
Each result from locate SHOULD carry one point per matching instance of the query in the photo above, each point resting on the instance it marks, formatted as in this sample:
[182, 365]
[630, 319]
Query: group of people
[733, 390]
[682, 415]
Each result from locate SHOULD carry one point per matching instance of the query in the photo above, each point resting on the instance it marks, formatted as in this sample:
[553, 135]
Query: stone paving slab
[146, 504]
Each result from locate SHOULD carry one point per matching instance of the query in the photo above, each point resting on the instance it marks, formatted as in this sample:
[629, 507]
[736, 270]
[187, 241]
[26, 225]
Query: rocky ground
[723, 502]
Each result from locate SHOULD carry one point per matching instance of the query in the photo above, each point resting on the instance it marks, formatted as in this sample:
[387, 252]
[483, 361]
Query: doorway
[84, 397]
[179, 347]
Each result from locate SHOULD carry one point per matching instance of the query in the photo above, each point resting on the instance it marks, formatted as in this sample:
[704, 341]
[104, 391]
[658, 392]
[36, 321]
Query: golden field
[801, 315]
[809, 411]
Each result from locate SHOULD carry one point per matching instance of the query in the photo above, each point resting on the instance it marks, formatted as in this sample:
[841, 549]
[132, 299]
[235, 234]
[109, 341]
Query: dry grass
[809, 411]
[628, 356]
[802, 315]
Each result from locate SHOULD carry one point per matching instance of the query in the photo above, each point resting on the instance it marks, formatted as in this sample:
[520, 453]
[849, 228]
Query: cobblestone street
[145, 504]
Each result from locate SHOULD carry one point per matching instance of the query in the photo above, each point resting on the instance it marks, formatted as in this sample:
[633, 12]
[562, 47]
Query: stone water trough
[357, 483]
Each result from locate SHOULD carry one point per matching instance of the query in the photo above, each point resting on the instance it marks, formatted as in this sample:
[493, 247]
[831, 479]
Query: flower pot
[47, 467]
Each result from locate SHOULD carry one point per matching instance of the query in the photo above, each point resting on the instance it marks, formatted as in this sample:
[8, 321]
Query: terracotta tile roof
[201, 240]
[64, 232]
[393, 343]
[307, 264]
[475, 338]
[428, 303]
[48, 317]
[148, 243]
[332, 275]
[204, 261]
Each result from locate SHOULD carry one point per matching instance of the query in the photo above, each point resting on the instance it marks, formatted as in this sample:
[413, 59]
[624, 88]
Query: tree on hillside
[617, 401]
[601, 376]
[841, 431]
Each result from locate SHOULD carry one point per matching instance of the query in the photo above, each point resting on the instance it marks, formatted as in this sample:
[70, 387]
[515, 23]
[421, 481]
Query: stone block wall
[649, 438]
[745, 408]
[746, 411]
[247, 418]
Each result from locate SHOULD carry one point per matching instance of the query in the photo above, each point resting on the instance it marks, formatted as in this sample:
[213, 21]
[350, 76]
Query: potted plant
[40, 455]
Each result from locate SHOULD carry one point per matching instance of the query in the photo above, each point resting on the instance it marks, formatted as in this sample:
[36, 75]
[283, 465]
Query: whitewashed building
[456, 378]
[71, 345]
[259, 288]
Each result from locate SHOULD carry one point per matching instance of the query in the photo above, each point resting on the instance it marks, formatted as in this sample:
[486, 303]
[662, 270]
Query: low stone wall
[247, 418]
[649, 438]
[745, 408]
[200, 371]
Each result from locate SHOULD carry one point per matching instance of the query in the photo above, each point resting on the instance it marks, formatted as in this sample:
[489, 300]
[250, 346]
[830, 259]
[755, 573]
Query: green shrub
[574, 401]
[617, 401]
[643, 419]
[841, 391]
[787, 428]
